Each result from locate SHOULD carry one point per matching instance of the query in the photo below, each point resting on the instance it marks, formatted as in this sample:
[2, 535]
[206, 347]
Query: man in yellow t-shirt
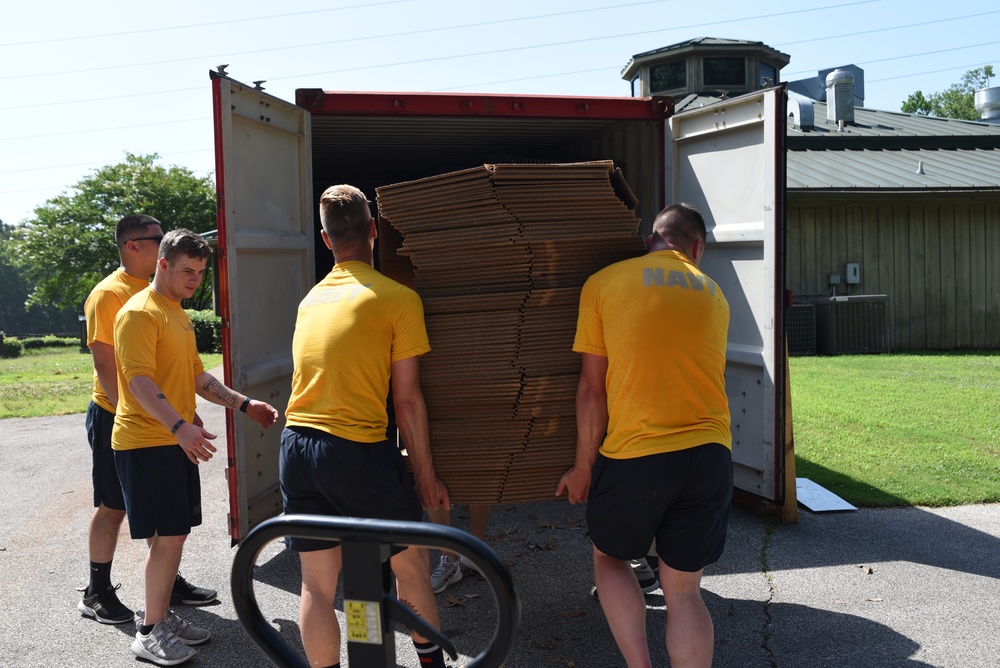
[156, 440]
[138, 240]
[137, 237]
[354, 330]
[653, 453]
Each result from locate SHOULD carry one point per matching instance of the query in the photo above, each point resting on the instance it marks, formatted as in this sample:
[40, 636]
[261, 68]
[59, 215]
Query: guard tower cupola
[705, 66]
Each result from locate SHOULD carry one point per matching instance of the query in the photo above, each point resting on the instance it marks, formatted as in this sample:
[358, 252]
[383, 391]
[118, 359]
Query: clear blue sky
[83, 82]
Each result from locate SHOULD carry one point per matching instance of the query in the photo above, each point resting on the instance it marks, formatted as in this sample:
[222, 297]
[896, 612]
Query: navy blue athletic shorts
[162, 490]
[680, 498]
[107, 488]
[322, 474]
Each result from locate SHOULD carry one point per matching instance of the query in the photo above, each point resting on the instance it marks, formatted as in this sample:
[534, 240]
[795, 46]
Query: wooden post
[790, 509]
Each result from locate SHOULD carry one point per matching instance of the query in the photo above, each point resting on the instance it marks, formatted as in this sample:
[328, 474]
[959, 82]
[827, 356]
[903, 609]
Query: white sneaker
[446, 573]
[161, 646]
[186, 632]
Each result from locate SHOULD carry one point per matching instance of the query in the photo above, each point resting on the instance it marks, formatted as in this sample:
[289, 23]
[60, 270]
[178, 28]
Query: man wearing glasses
[138, 239]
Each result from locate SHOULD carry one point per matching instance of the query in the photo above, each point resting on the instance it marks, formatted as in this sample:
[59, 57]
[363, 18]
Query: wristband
[177, 425]
[246, 402]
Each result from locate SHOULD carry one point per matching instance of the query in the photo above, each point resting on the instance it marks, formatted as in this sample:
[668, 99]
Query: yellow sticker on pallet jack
[364, 623]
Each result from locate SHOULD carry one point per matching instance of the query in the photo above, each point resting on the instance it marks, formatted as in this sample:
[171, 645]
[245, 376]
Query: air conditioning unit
[852, 325]
[800, 329]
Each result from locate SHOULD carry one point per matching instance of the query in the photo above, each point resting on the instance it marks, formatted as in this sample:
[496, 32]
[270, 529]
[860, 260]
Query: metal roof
[876, 123]
[872, 123]
[889, 169]
[711, 42]
[703, 46]
[887, 150]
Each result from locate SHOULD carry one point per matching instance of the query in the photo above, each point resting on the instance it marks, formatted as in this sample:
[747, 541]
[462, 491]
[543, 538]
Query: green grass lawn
[52, 381]
[907, 429]
[878, 430]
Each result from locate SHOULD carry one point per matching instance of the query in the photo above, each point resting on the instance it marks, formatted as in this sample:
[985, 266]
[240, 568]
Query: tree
[69, 244]
[958, 101]
[16, 317]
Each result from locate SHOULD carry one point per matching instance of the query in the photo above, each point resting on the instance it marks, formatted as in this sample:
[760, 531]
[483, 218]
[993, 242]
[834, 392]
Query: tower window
[724, 71]
[667, 76]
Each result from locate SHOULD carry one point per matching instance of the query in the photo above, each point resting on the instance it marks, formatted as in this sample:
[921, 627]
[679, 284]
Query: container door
[728, 159]
[265, 268]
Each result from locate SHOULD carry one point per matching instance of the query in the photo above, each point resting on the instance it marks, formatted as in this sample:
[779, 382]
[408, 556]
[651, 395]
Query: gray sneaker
[186, 632]
[161, 646]
[446, 573]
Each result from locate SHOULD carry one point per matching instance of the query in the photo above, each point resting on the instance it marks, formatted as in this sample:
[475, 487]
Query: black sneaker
[648, 582]
[186, 593]
[105, 607]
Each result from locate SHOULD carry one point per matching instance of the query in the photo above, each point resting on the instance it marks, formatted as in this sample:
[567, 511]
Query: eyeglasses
[157, 239]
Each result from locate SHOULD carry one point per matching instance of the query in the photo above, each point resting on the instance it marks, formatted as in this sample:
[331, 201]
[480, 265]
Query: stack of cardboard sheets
[499, 254]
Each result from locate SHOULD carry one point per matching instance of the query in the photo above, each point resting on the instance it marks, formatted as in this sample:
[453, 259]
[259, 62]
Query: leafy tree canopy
[15, 317]
[69, 243]
[958, 101]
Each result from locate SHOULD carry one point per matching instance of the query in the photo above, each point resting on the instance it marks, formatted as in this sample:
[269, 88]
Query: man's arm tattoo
[225, 396]
[161, 396]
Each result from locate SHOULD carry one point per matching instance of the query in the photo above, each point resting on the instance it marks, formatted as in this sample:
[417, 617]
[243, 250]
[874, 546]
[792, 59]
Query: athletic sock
[430, 655]
[100, 577]
[146, 629]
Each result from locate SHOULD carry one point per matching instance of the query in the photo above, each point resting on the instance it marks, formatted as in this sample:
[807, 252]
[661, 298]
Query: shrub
[10, 347]
[207, 330]
[50, 341]
[54, 341]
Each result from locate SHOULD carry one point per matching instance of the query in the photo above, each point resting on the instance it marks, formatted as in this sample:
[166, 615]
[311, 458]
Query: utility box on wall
[852, 270]
[853, 325]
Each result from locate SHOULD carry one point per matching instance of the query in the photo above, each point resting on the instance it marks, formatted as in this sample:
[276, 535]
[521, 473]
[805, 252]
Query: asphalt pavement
[879, 587]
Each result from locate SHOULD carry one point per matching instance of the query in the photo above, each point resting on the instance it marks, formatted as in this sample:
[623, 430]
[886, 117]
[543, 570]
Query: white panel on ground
[819, 499]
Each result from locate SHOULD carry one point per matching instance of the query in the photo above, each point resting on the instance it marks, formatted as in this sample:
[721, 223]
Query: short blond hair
[345, 214]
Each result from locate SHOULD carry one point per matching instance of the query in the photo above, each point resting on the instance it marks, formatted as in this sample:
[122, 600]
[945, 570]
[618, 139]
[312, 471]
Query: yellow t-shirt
[153, 337]
[101, 307]
[662, 324]
[350, 327]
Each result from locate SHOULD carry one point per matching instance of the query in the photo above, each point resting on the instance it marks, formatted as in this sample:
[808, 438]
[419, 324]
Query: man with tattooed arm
[157, 444]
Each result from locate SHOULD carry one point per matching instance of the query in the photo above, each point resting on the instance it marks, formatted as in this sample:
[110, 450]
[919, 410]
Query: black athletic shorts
[107, 488]
[162, 490]
[681, 499]
[322, 474]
